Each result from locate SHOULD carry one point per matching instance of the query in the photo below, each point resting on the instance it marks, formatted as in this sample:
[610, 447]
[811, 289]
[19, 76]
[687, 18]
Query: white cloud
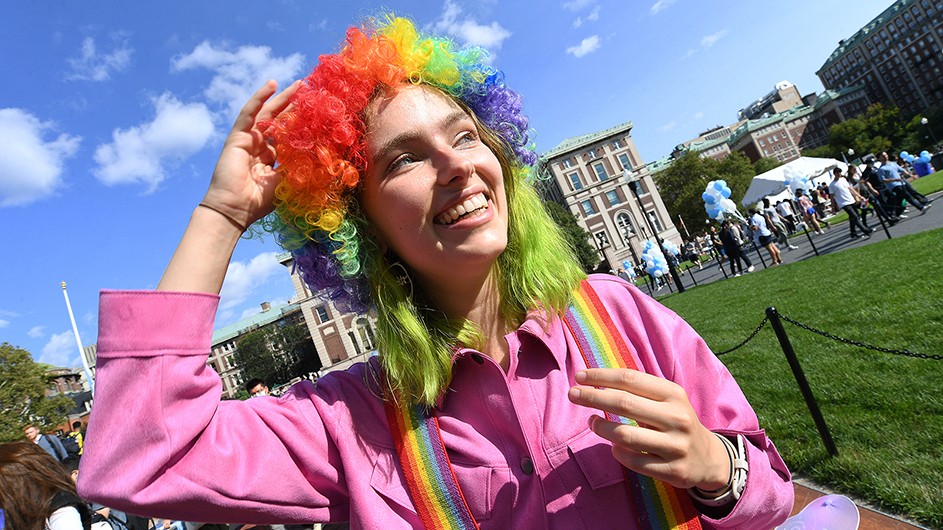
[61, 350]
[490, 36]
[239, 73]
[91, 65]
[698, 115]
[690, 53]
[139, 154]
[576, 5]
[587, 45]
[710, 40]
[320, 25]
[30, 167]
[660, 6]
[593, 16]
[667, 127]
[36, 331]
[244, 278]
[4, 323]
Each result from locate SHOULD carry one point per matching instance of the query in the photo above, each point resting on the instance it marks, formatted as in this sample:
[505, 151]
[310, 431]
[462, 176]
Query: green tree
[23, 400]
[684, 181]
[765, 164]
[575, 235]
[276, 354]
[879, 128]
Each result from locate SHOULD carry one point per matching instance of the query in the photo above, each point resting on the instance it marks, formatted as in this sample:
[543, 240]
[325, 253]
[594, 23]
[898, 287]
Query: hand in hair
[244, 181]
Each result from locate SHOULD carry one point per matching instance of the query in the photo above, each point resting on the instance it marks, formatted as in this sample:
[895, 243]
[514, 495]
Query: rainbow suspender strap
[426, 467]
[428, 472]
[657, 505]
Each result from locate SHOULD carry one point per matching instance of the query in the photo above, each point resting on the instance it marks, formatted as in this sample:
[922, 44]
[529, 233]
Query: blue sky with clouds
[112, 113]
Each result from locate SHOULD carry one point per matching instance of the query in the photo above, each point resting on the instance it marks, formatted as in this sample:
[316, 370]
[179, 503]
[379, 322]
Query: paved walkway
[836, 239]
[871, 519]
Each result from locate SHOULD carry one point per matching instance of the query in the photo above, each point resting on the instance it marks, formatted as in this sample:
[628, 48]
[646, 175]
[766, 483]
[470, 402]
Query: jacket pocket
[594, 457]
[479, 485]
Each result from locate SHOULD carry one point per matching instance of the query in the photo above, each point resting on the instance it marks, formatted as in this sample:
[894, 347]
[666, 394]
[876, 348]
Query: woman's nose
[455, 166]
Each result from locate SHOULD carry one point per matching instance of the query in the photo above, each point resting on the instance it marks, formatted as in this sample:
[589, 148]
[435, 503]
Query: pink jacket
[160, 441]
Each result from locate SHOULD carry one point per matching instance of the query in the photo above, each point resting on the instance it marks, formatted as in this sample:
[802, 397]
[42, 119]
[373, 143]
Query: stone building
[591, 175]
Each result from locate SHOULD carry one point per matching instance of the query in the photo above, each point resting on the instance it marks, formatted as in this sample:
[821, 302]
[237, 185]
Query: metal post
[78, 341]
[805, 228]
[758, 253]
[879, 212]
[633, 185]
[804, 387]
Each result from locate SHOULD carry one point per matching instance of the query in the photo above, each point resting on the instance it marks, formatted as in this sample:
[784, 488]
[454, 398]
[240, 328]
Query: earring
[399, 272]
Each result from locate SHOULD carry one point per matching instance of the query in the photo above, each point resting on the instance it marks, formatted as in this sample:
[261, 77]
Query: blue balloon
[719, 185]
[924, 153]
[708, 198]
[924, 158]
[910, 159]
[904, 154]
[725, 192]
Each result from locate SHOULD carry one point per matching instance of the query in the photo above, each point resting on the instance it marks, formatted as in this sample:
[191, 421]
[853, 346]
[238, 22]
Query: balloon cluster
[629, 269]
[796, 180]
[923, 158]
[671, 248]
[655, 263]
[717, 200]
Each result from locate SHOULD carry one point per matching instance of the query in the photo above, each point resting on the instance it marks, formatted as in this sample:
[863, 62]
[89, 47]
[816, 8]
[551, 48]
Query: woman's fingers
[275, 105]
[246, 119]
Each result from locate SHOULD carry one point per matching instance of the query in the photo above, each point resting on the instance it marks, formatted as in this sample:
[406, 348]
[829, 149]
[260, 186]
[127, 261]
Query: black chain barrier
[906, 353]
[748, 339]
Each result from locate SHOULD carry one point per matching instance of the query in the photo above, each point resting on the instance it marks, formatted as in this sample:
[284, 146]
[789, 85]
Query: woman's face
[434, 192]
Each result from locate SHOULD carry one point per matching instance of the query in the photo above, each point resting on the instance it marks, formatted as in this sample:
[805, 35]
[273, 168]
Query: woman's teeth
[470, 205]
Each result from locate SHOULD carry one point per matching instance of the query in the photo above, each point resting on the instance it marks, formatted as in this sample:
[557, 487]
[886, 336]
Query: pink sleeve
[161, 443]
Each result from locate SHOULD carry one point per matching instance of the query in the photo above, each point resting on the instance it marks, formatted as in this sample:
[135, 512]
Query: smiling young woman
[510, 391]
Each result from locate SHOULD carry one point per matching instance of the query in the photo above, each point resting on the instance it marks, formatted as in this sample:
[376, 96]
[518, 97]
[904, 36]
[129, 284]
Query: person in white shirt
[763, 236]
[847, 198]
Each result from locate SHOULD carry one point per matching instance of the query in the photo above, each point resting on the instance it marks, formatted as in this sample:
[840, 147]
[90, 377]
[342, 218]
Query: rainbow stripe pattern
[426, 467]
[657, 505]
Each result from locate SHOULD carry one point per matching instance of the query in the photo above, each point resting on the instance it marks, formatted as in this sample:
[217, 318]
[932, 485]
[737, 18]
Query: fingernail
[574, 393]
[581, 376]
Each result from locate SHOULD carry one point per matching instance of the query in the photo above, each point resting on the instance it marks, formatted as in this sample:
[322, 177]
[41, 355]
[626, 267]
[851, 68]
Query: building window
[654, 219]
[592, 154]
[575, 181]
[613, 197]
[602, 239]
[617, 144]
[322, 314]
[600, 170]
[624, 160]
[588, 207]
[567, 164]
[625, 227]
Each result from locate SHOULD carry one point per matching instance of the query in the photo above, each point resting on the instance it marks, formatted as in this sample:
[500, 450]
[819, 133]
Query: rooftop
[576, 142]
[251, 322]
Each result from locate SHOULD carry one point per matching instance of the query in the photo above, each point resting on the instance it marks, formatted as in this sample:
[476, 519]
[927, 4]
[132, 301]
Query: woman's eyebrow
[407, 137]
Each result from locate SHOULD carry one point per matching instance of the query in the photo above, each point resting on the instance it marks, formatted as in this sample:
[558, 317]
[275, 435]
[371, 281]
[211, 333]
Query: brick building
[897, 57]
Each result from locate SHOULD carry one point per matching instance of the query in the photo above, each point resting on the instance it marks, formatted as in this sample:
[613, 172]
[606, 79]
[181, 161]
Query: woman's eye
[466, 137]
[401, 161]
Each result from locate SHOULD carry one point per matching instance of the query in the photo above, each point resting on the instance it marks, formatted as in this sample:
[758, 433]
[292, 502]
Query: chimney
[266, 306]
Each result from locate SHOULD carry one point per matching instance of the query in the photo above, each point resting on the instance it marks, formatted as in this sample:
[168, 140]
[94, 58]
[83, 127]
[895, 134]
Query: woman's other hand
[669, 443]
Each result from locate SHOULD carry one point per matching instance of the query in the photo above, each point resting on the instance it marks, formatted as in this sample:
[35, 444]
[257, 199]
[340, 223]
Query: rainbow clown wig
[321, 157]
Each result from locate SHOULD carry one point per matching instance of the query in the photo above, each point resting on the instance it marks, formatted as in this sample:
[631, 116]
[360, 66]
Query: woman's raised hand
[244, 181]
[669, 444]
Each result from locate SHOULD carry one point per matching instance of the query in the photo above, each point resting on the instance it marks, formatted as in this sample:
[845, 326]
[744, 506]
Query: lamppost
[925, 122]
[626, 238]
[632, 181]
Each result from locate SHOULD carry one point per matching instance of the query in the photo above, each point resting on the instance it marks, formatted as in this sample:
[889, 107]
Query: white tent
[772, 184]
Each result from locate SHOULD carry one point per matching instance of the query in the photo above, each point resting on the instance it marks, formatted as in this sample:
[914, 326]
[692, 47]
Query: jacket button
[477, 358]
[527, 466]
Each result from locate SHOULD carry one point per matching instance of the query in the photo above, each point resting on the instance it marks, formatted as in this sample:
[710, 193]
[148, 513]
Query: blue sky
[112, 114]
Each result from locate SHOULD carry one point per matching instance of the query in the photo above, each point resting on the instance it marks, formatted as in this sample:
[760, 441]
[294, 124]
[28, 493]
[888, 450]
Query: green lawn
[885, 411]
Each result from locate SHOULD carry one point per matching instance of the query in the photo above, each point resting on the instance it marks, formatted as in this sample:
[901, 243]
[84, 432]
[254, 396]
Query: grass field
[885, 412]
